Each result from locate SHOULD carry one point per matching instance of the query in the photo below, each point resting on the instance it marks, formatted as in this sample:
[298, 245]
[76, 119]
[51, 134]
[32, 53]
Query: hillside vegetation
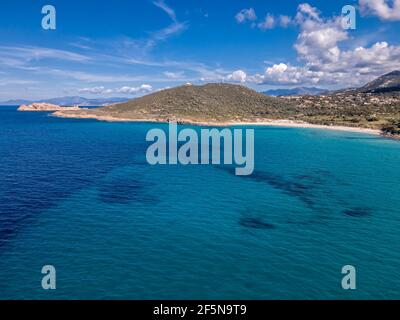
[210, 102]
[375, 106]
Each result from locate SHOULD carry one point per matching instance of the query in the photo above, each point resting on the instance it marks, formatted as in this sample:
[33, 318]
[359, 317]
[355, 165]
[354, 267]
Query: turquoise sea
[79, 195]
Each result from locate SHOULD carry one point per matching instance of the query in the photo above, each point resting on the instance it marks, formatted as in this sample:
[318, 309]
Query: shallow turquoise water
[79, 195]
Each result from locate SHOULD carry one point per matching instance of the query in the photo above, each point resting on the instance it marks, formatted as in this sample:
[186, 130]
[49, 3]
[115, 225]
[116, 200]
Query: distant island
[373, 108]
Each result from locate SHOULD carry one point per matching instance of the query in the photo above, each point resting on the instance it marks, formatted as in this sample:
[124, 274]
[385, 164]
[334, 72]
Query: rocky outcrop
[46, 107]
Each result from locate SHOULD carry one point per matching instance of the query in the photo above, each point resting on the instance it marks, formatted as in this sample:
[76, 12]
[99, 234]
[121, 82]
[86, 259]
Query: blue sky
[129, 48]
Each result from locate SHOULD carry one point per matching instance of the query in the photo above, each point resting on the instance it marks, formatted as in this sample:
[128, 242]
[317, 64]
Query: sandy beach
[258, 122]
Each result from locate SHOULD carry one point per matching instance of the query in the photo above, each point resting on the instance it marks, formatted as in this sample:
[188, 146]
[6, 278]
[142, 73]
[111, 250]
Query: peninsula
[374, 108]
[43, 107]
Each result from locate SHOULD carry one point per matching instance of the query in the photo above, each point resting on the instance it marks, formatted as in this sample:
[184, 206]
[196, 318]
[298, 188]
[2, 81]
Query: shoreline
[298, 124]
[261, 123]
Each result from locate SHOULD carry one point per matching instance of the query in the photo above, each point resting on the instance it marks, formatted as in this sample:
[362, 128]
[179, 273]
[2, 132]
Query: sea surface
[79, 195]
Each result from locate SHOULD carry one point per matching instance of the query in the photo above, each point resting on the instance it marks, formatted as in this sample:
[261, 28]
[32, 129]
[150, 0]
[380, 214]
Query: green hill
[207, 103]
[228, 103]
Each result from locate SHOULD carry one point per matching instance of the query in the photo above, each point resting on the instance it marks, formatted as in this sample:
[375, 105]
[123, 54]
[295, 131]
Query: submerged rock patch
[255, 223]
[295, 188]
[124, 191]
[358, 212]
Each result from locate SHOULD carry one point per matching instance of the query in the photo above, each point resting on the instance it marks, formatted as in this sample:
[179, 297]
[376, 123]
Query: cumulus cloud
[353, 68]
[318, 41]
[285, 74]
[237, 76]
[318, 44]
[144, 88]
[377, 59]
[285, 21]
[320, 47]
[268, 23]
[246, 15]
[384, 9]
[325, 62]
[305, 9]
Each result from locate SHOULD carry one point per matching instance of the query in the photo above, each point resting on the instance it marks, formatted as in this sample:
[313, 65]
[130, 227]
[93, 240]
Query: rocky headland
[43, 107]
[374, 108]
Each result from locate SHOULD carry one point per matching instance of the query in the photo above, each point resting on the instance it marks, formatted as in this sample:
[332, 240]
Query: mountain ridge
[389, 82]
[295, 91]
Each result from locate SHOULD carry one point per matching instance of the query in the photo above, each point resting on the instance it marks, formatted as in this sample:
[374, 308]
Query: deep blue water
[79, 195]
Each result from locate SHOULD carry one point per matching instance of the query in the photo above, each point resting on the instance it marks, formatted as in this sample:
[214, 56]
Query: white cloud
[237, 76]
[17, 82]
[318, 37]
[268, 23]
[285, 21]
[174, 75]
[306, 9]
[246, 15]
[89, 77]
[319, 46]
[211, 75]
[94, 90]
[168, 10]
[377, 59]
[144, 88]
[164, 88]
[22, 57]
[320, 43]
[384, 9]
[174, 28]
[35, 53]
[165, 33]
[277, 69]
[286, 74]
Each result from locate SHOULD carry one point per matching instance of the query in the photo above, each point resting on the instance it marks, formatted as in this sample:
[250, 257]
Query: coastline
[258, 122]
[298, 124]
